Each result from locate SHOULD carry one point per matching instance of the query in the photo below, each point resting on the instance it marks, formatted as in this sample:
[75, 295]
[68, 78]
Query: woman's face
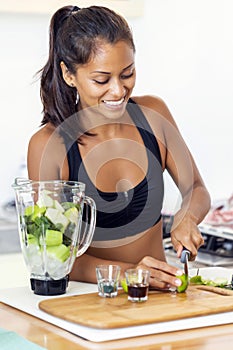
[107, 80]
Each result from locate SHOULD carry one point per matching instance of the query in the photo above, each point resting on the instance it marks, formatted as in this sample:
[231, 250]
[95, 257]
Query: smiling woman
[95, 132]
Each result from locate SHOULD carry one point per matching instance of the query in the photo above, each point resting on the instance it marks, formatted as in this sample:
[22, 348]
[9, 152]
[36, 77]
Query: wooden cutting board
[91, 310]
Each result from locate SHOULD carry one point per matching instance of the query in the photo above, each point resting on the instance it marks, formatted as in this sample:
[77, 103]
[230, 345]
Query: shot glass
[138, 284]
[108, 280]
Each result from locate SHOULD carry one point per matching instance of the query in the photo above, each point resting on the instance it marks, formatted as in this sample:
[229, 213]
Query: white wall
[184, 55]
[23, 41]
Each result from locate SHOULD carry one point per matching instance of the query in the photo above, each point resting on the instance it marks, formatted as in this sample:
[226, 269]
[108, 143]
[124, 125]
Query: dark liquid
[137, 291]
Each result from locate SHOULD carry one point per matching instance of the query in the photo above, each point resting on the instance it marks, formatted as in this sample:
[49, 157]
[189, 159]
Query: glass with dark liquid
[138, 284]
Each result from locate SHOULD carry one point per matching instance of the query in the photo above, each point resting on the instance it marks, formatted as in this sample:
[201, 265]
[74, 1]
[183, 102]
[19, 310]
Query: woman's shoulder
[45, 134]
[46, 153]
[151, 102]
[147, 100]
[154, 106]
[47, 137]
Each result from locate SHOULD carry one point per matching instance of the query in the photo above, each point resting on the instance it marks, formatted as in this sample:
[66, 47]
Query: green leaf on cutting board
[217, 282]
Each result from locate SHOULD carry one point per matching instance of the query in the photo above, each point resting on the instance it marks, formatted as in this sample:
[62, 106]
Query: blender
[56, 223]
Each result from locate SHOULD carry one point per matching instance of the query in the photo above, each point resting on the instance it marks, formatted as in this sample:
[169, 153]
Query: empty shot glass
[108, 280]
[138, 284]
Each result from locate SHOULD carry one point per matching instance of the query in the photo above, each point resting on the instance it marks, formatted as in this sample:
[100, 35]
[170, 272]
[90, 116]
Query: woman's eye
[100, 82]
[123, 76]
[127, 76]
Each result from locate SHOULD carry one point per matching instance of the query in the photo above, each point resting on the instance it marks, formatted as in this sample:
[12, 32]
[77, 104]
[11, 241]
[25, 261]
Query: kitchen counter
[13, 271]
[52, 337]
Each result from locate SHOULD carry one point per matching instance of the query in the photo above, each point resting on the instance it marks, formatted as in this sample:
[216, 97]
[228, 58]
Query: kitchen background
[184, 55]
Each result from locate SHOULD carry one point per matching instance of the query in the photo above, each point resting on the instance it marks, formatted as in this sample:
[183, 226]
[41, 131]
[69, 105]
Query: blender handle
[87, 236]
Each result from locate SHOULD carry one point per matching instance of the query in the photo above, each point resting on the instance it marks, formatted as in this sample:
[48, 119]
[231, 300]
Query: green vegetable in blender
[52, 238]
[60, 252]
[31, 239]
[34, 211]
[57, 217]
[72, 214]
[51, 223]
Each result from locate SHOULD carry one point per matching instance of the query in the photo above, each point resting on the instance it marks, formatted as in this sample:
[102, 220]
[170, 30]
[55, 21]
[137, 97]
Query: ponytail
[57, 97]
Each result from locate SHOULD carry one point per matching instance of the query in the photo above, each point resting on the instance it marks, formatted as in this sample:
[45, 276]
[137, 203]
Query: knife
[185, 257]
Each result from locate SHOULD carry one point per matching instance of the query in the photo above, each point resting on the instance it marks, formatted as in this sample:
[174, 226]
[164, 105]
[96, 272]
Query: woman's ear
[67, 76]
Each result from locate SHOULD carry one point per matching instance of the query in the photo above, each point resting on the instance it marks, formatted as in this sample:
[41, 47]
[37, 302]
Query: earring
[77, 98]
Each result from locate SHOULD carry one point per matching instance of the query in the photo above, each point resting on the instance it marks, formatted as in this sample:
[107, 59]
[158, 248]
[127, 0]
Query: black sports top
[125, 214]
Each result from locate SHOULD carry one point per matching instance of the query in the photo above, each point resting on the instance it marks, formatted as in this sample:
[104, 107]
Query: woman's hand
[185, 233]
[162, 275]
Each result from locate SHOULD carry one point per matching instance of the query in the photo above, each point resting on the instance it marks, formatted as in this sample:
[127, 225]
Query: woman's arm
[195, 197]
[178, 161]
[162, 275]
[195, 205]
[46, 158]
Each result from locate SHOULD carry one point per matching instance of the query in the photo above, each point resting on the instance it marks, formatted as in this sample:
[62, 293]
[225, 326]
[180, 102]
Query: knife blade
[185, 256]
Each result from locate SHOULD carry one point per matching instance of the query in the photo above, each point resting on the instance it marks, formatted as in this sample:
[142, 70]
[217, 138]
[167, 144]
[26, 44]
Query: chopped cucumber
[58, 206]
[29, 210]
[56, 217]
[60, 252]
[68, 205]
[52, 238]
[34, 211]
[31, 239]
[72, 214]
[45, 200]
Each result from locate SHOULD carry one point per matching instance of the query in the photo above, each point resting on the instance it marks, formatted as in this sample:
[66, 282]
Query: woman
[94, 131]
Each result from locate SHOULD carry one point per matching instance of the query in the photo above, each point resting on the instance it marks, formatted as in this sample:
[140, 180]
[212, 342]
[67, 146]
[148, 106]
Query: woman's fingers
[188, 235]
[162, 275]
[190, 240]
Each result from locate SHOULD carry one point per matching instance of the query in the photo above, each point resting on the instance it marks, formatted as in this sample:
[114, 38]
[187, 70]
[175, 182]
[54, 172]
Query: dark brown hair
[74, 36]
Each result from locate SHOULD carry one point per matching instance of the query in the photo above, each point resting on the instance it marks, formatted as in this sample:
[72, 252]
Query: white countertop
[15, 291]
[23, 299]
[13, 271]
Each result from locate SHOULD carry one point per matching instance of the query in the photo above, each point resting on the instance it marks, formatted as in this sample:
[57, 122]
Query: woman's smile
[114, 104]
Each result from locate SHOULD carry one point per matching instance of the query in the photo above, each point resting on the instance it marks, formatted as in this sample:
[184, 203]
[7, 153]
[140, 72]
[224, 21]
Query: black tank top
[125, 214]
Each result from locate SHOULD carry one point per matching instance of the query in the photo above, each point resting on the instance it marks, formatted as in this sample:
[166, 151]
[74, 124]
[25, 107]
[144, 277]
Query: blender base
[49, 287]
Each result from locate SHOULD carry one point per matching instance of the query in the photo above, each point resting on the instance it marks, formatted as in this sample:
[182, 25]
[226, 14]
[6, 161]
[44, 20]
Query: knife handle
[185, 252]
